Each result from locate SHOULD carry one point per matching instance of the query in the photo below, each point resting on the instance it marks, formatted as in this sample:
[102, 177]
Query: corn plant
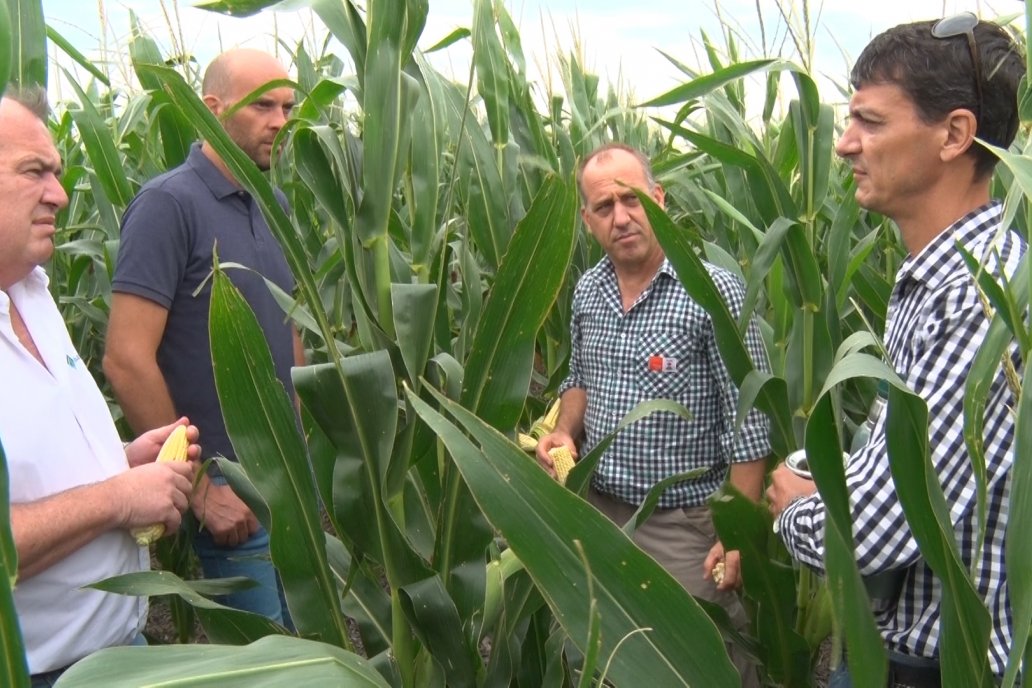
[434, 242]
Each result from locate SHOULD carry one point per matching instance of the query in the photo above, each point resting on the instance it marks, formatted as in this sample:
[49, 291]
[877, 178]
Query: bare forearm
[747, 477]
[571, 412]
[48, 530]
[143, 395]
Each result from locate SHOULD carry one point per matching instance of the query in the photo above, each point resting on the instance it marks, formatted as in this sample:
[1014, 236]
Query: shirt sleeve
[154, 248]
[574, 377]
[943, 346]
[752, 440]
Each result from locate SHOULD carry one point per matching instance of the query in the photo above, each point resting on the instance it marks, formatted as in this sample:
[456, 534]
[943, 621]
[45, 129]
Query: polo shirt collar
[218, 183]
[35, 282]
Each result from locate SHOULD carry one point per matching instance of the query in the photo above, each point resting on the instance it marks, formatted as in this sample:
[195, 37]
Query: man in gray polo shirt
[158, 357]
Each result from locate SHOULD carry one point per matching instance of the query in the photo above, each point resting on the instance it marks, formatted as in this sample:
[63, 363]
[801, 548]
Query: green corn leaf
[272, 661]
[745, 526]
[1018, 548]
[221, 624]
[656, 631]
[772, 398]
[262, 426]
[964, 642]
[500, 362]
[13, 670]
[100, 148]
[489, 60]
[851, 606]
[355, 405]
[6, 47]
[703, 85]
[436, 622]
[237, 8]
[28, 43]
[77, 57]
[176, 131]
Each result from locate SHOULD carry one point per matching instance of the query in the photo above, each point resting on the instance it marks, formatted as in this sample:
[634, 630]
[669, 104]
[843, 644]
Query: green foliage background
[435, 243]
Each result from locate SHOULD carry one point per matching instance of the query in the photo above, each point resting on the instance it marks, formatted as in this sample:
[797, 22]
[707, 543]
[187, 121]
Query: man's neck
[928, 218]
[633, 282]
[216, 160]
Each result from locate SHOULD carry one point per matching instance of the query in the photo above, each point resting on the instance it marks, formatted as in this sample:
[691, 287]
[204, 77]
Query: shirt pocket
[663, 364]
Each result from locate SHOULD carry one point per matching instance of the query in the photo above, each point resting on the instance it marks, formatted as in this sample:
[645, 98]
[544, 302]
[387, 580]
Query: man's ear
[214, 104]
[960, 128]
[659, 195]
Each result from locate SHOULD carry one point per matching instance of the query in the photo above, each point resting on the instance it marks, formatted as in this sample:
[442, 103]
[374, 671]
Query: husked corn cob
[546, 423]
[526, 442]
[718, 573]
[174, 449]
[562, 460]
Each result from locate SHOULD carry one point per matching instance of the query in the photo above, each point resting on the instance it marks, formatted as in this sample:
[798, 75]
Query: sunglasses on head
[963, 25]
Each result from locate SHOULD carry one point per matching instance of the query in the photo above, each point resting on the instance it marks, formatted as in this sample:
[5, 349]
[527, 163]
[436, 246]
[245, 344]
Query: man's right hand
[225, 515]
[551, 441]
[154, 493]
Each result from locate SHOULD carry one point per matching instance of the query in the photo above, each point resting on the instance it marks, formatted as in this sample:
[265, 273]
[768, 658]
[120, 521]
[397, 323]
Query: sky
[623, 42]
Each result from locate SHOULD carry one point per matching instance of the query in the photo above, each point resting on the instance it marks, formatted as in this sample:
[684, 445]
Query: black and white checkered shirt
[936, 324]
[662, 348]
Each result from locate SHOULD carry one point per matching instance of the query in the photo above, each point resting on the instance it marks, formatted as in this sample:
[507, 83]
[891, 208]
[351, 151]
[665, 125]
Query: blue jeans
[251, 560]
[839, 677]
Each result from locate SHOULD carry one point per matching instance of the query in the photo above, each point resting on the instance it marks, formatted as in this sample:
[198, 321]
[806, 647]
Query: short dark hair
[602, 151]
[938, 76]
[32, 98]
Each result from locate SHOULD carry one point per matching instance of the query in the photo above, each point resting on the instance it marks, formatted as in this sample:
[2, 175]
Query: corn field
[435, 244]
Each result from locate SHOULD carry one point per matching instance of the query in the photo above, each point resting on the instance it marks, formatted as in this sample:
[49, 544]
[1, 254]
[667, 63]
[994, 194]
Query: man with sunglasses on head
[922, 93]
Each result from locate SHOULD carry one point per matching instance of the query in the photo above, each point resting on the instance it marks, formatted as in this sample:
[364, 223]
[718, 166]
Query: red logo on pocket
[656, 363]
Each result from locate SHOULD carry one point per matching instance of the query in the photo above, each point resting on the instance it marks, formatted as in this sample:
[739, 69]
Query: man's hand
[224, 514]
[551, 441]
[153, 493]
[786, 487]
[144, 449]
[729, 576]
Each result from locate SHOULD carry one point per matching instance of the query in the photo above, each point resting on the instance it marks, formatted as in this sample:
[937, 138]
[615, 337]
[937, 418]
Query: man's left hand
[785, 488]
[144, 449]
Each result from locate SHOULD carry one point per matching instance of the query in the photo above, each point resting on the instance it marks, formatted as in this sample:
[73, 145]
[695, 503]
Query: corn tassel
[174, 449]
[562, 461]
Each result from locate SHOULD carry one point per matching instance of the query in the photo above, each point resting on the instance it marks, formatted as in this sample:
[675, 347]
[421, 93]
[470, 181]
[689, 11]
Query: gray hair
[33, 98]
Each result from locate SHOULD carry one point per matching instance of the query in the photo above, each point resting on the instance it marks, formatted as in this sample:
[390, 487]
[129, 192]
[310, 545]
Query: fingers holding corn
[158, 492]
[723, 568]
[556, 454]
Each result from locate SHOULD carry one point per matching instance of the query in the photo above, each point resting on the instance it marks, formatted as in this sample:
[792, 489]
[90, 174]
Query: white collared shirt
[57, 434]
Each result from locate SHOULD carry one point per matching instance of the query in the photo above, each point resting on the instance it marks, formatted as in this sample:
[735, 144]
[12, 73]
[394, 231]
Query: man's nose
[848, 143]
[54, 194]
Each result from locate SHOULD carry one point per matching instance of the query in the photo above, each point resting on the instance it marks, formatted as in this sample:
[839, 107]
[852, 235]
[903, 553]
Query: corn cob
[526, 442]
[174, 449]
[562, 461]
[718, 573]
[546, 423]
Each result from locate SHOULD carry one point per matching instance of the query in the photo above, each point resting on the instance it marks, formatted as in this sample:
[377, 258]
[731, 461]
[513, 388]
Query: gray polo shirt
[168, 232]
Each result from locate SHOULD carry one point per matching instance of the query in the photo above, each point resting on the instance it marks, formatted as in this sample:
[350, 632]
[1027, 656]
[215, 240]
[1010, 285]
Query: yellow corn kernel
[562, 461]
[526, 442]
[173, 449]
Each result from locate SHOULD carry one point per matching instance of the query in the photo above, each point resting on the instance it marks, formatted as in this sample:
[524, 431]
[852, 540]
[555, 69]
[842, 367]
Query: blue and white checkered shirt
[663, 347]
[936, 324]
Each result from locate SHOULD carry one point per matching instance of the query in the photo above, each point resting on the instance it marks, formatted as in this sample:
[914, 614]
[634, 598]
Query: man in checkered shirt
[923, 92]
[637, 336]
